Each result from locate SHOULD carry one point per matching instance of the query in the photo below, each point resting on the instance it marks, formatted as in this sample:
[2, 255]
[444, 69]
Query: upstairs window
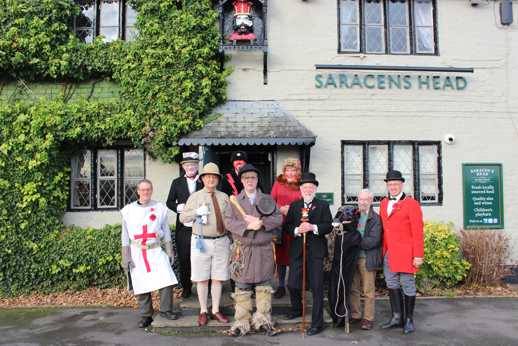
[114, 19]
[387, 26]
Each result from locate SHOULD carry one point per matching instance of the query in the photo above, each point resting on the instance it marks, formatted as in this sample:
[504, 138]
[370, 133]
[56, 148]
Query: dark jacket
[371, 241]
[178, 194]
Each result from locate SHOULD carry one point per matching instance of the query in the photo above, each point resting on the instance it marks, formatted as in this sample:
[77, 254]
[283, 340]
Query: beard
[308, 197]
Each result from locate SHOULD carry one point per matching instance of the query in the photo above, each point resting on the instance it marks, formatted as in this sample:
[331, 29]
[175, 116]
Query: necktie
[217, 211]
[393, 198]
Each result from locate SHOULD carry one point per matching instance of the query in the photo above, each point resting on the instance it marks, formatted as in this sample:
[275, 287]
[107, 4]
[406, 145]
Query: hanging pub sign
[483, 195]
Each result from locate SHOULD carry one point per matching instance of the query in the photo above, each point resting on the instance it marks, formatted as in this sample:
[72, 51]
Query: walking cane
[303, 325]
[304, 218]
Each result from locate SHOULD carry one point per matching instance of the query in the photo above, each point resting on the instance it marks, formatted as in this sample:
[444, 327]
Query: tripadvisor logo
[389, 81]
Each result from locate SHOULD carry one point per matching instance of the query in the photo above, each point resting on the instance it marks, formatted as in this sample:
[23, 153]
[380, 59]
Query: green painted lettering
[407, 81]
[381, 81]
[436, 82]
[342, 78]
[330, 80]
[356, 81]
[368, 84]
[423, 81]
[447, 83]
[394, 80]
[318, 81]
[461, 83]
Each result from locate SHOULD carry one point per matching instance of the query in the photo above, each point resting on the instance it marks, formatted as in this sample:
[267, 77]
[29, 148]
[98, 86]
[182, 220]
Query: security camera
[449, 138]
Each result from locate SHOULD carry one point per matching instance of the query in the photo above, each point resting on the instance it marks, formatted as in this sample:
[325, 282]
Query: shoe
[314, 330]
[145, 322]
[219, 317]
[354, 320]
[203, 319]
[292, 315]
[279, 293]
[168, 315]
[366, 325]
[186, 294]
[396, 305]
[409, 304]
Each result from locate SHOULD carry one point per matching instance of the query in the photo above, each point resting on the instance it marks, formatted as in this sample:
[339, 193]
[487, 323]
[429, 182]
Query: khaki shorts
[212, 262]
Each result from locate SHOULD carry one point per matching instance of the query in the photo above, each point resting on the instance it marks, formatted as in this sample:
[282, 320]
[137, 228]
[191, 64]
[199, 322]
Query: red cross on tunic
[145, 236]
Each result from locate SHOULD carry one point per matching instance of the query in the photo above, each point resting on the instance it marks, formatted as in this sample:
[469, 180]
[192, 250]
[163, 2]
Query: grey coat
[256, 246]
[371, 241]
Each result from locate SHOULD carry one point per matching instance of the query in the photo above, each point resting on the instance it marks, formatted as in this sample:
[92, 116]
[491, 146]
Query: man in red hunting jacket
[403, 250]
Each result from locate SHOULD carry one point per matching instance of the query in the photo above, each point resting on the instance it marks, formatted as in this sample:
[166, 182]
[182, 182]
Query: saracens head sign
[343, 80]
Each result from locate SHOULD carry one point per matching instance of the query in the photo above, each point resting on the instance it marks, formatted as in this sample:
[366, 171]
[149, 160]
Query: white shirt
[315, 227]
[391, 203]
[251, 197]
[191, 184]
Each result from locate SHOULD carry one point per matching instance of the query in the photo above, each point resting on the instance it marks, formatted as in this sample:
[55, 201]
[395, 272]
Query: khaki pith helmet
[210, 168]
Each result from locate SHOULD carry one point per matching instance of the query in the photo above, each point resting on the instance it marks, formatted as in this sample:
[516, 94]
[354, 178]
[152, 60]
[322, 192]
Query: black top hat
[394, 175]
[308, 177]
[238, 155]
[248, 168]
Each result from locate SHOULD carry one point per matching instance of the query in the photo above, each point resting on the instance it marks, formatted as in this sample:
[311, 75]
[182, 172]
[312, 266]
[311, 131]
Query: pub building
[353, 88]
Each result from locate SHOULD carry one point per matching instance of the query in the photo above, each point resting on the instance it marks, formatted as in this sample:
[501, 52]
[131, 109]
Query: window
[366, 163]
[114, 19]
[387, 26]
[105, 179]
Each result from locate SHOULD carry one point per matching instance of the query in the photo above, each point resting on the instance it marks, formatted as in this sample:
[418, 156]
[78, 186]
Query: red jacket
[402, 234]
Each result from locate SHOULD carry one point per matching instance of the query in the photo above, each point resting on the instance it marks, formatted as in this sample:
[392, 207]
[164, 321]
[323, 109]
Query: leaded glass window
[113, 19]
[81, 189]
[106, 178]
[366, 163]
[387, 26]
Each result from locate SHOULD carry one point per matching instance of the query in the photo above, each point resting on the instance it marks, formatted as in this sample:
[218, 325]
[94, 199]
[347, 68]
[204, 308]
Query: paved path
[473, 322]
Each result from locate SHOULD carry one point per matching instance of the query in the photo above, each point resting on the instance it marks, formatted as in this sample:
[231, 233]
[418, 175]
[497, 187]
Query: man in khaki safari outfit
[210, 244]
[253, 263]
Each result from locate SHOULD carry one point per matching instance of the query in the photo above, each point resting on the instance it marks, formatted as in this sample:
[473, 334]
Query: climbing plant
[169, 79]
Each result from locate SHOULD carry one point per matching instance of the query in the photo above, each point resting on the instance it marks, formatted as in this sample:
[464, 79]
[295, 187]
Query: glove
[202, 211]
[180, 207]
[126, 261]
[169, 251]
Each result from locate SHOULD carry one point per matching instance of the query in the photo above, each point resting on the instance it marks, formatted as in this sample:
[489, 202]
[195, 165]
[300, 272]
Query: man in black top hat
[231, 184]
[311, 216]
[181, 189]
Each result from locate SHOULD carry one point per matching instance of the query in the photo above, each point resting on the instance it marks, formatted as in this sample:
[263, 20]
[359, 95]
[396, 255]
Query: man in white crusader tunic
[144, 228]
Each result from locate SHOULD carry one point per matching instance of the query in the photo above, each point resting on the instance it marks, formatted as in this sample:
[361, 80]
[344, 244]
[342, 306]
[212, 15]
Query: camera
[449, 138]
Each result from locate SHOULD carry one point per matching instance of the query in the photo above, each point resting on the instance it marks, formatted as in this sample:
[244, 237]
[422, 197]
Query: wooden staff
[234, 201]
[303, 324]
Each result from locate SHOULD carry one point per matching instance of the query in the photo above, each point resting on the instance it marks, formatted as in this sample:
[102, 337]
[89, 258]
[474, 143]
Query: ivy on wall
[169, 80]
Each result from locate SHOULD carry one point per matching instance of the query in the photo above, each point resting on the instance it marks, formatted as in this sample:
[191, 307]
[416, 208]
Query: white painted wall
[483, 118]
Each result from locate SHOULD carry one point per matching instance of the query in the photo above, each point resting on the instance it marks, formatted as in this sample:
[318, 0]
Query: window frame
[412, 35]
[94, 179]
[416, 169]
[122, 21]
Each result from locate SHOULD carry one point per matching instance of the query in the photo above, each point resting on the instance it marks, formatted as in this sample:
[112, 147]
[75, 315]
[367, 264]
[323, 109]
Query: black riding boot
[409, 314]
[396, 306]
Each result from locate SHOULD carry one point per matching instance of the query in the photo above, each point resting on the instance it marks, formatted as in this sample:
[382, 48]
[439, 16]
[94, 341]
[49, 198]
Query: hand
[306, 227]
[249, 219]
[128, 264]
[418, 261]
[180, 207]
[202, 211]
[284, 209]
[256, 225]
[337, 226]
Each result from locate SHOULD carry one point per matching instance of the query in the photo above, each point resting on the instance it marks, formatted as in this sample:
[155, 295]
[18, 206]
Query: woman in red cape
[285, 190]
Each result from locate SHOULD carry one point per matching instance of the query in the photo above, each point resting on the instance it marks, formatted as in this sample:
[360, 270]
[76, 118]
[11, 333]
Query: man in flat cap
[312, 216]
[231, 184]
[181, 189]
[403, 250]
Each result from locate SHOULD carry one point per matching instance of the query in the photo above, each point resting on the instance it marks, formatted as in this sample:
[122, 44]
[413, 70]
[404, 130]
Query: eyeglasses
[249, 178]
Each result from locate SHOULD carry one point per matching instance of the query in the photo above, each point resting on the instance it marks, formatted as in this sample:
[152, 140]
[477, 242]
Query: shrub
[487, 251]
[443, 264]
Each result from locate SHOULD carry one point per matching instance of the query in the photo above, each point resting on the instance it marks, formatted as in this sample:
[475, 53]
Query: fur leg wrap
[262, 318]
[243, 314]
